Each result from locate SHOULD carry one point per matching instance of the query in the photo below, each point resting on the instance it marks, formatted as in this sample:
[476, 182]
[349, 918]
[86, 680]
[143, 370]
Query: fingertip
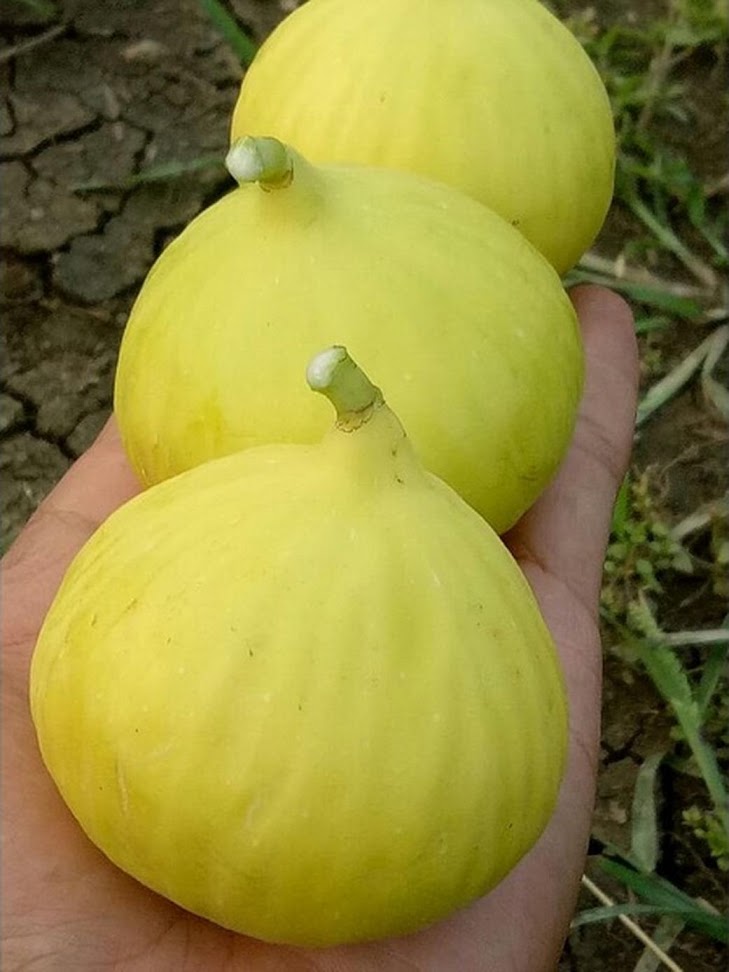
[592, 300]
[608, 323]
[109, 433]
[108, 443]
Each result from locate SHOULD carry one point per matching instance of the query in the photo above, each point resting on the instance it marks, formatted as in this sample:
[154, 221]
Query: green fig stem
[333, 373]
[263, 160]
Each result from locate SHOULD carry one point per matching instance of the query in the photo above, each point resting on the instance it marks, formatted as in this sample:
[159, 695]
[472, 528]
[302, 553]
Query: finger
[96, 484]
[566, 531]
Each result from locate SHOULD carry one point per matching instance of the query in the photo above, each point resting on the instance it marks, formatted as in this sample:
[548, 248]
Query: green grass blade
[644, 842]
[671, 680]
[664, 935]
[608, 912]
[244, 48]
[713, 669]
[715, 242]
[642, 293]
[663, 895]
[621, 509]
[673, 382]
[163, 172]
[677, 306]
[651, 324]
[668, 239]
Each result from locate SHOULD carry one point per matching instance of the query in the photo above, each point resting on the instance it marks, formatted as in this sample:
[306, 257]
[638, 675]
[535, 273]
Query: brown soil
[121, 86]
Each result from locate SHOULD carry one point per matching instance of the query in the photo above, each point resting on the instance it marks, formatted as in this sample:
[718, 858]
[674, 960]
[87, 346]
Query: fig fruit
[304, 691]
[405, 272]
[494, 97]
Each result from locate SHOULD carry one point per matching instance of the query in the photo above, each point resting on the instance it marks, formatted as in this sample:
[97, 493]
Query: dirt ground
[110, 89]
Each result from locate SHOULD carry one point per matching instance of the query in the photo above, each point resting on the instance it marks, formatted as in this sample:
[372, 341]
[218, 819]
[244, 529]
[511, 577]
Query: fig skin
[304, 691]
[497, 99]
[407, 273]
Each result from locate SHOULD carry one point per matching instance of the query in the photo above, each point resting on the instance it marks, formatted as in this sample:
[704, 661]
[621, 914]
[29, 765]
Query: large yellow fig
[304, 691]
[495, 97]
[407, 273]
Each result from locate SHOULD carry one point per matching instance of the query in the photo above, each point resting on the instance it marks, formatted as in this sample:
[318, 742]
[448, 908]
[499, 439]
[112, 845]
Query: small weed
[640, 551]
[642, 554]
[705, 825]
[652, 360]
[640, 65]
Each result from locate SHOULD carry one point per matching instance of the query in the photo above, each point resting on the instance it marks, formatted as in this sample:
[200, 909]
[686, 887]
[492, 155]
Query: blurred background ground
[95, 94]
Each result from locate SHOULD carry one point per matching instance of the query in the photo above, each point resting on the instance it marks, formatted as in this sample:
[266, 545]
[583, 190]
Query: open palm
[66, 907]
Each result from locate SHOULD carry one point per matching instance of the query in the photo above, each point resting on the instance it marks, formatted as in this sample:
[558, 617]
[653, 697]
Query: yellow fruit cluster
[298, 685]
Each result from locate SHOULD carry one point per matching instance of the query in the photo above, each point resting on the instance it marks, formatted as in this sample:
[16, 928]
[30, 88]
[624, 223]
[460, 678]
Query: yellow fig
[495, 97]
[405, 272]
[304, 691]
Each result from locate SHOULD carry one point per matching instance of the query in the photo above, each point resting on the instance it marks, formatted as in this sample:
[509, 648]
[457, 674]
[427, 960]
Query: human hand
[66, 907]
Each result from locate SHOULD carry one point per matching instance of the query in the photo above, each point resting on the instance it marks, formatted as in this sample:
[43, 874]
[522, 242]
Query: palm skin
[66, 907]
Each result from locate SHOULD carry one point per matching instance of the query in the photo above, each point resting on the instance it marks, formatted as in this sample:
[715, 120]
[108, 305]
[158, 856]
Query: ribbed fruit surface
[495, 97]
[310, 704]
[463, 321]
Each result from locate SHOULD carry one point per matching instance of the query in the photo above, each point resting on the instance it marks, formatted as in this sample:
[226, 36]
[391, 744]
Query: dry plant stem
[698, 267]
[9, 53]
[617, 269]
[719, 342]
[701, 518]
[715, 392]
[631, 925]
[719, 187]
[675, 380]
[658, 72]
[665, 935]
[685, 639]
[707, 906]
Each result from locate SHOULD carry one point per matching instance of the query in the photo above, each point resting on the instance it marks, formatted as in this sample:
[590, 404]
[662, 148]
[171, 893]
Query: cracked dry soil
[108, 90]
[114, 89]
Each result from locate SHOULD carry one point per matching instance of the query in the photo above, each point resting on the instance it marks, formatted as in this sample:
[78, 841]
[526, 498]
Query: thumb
[97, 483]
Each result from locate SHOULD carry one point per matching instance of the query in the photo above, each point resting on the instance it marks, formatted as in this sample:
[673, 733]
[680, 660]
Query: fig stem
[263, 160]
[333, 373]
